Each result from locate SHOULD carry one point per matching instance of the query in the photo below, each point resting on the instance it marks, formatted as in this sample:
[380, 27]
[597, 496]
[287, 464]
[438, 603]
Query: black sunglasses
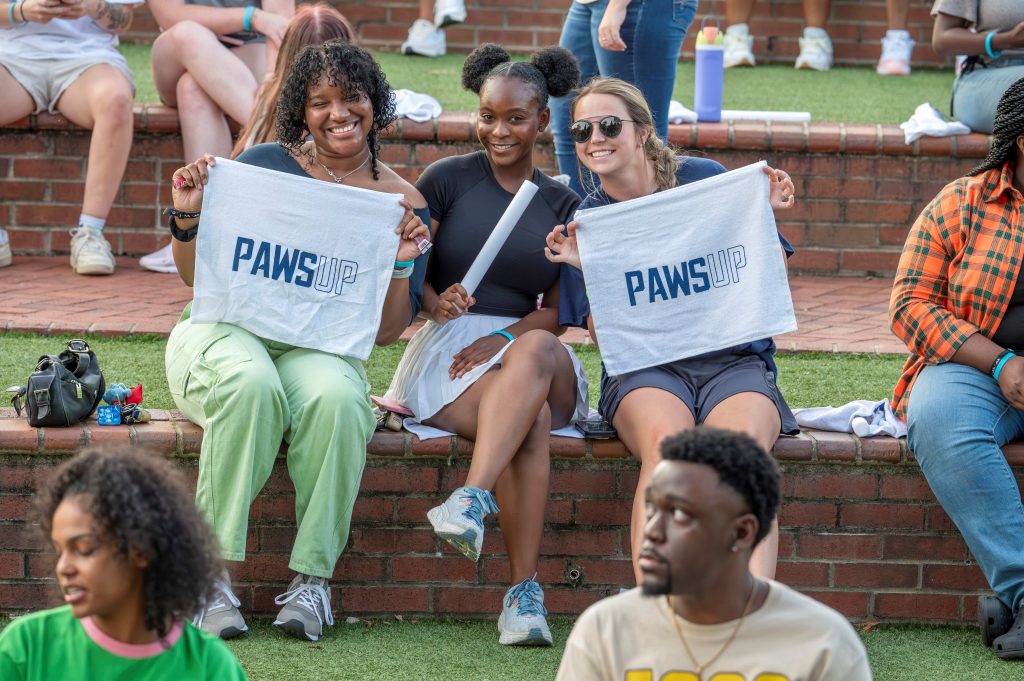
[610, 126]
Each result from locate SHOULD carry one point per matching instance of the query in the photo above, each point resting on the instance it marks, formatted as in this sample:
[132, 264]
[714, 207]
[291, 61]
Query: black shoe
[1010, 646]
[994, 618]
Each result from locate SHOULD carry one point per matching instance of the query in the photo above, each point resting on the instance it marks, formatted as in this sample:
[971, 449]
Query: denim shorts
[701, 383]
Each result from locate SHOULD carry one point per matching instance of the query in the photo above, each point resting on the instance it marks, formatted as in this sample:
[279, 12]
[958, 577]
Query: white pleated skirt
[421, 381]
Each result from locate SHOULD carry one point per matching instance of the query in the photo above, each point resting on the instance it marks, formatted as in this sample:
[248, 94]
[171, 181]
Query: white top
[790, 637]
[61, 39]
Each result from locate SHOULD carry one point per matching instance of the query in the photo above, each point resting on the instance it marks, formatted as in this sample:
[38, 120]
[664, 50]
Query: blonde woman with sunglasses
[734, 388]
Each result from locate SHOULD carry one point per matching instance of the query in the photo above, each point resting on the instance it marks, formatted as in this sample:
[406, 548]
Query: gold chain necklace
[331, 173]
[679, 632]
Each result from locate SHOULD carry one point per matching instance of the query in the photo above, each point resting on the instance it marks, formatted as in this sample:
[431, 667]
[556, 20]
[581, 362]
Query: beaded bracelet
[247, 21]
[988, 45]
[503, 332]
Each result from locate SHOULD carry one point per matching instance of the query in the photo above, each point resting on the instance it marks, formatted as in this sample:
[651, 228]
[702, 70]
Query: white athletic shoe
[90, 252]
[448, 12]
[739, 47]
[522, 621]
[897, 47]
[5, 249]
[815, 50]
[424, 40]
[160, 261]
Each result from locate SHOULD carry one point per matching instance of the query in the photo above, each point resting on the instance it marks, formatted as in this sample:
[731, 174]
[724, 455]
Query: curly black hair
[1008, 126]
[347, 66]
[740, 463]
[552, 71]
[141, 503]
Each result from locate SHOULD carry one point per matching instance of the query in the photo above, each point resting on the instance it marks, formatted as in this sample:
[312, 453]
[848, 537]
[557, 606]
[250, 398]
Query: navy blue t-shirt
[273, 157]
[573, 305]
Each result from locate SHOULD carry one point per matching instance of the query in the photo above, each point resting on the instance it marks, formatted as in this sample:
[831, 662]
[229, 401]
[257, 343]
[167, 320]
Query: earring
[735, 548]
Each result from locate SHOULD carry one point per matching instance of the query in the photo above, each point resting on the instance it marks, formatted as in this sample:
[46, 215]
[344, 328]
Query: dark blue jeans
[653, 32]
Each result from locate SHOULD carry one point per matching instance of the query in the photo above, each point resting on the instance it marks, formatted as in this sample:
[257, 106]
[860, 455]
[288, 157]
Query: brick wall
[859, 187]
[856, 27]
[860, 529]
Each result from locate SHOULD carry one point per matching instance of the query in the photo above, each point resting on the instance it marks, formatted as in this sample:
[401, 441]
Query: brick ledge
[816, 137]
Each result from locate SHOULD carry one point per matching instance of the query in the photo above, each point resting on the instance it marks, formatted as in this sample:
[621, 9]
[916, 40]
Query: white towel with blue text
[685, 271]
[293, 259]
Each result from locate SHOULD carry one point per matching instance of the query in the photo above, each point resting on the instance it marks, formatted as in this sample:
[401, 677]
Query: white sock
[738, 29]
[897, 33]
[91, 222]
[815, 32]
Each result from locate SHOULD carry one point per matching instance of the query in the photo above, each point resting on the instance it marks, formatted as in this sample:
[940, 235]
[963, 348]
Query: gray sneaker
[307, 606]
[220, 616]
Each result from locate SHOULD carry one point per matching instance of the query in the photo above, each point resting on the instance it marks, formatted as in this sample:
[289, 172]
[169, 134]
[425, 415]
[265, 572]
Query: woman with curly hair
[490, 367]
[249, 393]
[734, 388]
[134, 561]
[958, 304]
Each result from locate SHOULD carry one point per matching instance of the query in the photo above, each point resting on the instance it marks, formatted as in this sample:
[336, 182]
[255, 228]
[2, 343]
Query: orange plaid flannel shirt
[957, 272]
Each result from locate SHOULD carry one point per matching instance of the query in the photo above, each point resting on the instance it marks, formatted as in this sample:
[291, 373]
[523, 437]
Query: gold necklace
[699, 668]
[331, 173]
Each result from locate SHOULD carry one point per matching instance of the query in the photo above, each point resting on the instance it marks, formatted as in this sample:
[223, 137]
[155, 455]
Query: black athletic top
[467, 201]
[273, 157]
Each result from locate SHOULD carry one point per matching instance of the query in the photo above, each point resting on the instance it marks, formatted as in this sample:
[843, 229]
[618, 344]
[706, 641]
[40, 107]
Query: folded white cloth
[416, 106]
[678, 113]
[424, 432]
[927, 120]
[863, 417]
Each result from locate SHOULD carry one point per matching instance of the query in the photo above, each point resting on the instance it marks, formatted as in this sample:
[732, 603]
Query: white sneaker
[448, 12]
[160, 261]
[815, 50]
[90, 252]
[522, 621]
[739, 47]
[424, 40]
[220, 615]
[5, 249]
[897, 47]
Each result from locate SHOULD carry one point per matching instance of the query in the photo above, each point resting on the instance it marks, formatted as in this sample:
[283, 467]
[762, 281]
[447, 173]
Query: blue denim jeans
[976, 94]
[653, 32]
[957, 420]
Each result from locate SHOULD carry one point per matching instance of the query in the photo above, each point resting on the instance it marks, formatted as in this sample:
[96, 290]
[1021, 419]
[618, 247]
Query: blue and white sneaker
[460, 519]
[522, 621]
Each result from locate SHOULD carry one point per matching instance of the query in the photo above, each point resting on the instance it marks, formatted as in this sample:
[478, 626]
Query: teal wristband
[402, 264]
[502, 332]
[988, 46]
[1001, 363]
[247, 22]
[10, 14]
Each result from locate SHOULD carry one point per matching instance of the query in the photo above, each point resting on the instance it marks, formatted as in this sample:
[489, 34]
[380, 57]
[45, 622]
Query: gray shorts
[45, 80]
[701, 384]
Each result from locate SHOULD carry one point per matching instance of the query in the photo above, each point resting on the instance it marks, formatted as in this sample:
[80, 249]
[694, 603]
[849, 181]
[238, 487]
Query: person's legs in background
[101, 100]
[976, 94]
[426, 35]
[659, 34]
[18, 103]
[739, 44]
[897, 45]
[815, 45]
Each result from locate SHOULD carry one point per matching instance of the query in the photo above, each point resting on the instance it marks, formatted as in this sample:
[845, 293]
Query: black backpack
[62, 390]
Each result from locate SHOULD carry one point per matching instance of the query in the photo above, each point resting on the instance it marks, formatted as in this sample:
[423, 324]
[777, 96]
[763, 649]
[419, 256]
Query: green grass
[851, 95]
[806, 379]
[449, 649]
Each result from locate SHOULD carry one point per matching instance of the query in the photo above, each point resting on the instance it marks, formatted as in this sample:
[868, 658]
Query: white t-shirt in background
[80, 38]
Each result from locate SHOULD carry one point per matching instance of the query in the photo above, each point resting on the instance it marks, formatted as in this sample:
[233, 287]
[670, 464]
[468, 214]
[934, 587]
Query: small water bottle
[709, 73]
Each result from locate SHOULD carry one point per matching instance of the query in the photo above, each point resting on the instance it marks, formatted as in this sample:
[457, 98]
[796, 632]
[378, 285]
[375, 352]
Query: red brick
[16, 435]
[839, 546]
[575, 481]
[917, 606]
[12, 565]
[906, 487]
[372, 509]
[798, 574]
[360, 569]
[568, 601]
[579, 543]
[597, 512]
[29, 595]
[876, 575]
[399, 479]
[393, 541]
[924, 547]
[833, 486]
[958, 577]
[803, 514]
[356, 599]
[882, 515]
[849, 603]
[64, 169]
[433, 569]
[470, 600]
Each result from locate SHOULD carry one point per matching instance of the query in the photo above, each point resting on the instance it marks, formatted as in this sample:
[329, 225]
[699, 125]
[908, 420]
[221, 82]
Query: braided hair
[1009, 125]
[552, 72]
[351, 68]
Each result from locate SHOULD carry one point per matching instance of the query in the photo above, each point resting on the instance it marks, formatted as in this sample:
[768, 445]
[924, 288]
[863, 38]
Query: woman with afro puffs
[490, 367]
[134, 560]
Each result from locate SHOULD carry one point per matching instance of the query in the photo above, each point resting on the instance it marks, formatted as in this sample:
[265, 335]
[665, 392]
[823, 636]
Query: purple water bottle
[709, 73]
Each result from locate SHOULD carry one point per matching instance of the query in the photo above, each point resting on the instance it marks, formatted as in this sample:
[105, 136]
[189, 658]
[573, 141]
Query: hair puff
[479, 64]
[559, 68]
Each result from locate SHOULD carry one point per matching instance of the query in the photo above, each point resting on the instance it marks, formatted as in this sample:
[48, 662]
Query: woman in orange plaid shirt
[958, 303]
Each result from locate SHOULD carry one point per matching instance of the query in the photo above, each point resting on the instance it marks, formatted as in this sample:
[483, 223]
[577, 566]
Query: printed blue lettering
[326, 274]
[699, 275]
[262, 260]
[655, 285]
[677, 280]
[305, 260]
[632, 288]
[349, 269]
[737, 259]
[239, 243]
[284, 263]
[718, 268]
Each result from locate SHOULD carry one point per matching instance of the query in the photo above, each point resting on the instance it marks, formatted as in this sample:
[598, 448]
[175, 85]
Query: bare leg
[816, 13]
[427, 10]
[738, 11]
[17, 101]
[896, 12]
[758, 417]
[645, 417]
[101, 99]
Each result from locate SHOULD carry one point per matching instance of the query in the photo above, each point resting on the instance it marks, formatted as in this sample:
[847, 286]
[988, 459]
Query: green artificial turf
[848, 94]
[807, 379]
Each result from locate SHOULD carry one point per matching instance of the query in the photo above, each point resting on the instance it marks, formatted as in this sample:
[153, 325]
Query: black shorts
[701, 384]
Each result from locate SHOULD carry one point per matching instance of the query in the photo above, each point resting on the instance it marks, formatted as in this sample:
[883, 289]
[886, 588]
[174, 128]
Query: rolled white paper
[779, 116]
[498, 237]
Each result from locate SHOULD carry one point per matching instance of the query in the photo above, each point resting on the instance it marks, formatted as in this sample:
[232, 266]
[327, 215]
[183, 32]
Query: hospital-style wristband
[403, 269]
[988, 46]
[503, 332]
[247, 21]
[1001, 360]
